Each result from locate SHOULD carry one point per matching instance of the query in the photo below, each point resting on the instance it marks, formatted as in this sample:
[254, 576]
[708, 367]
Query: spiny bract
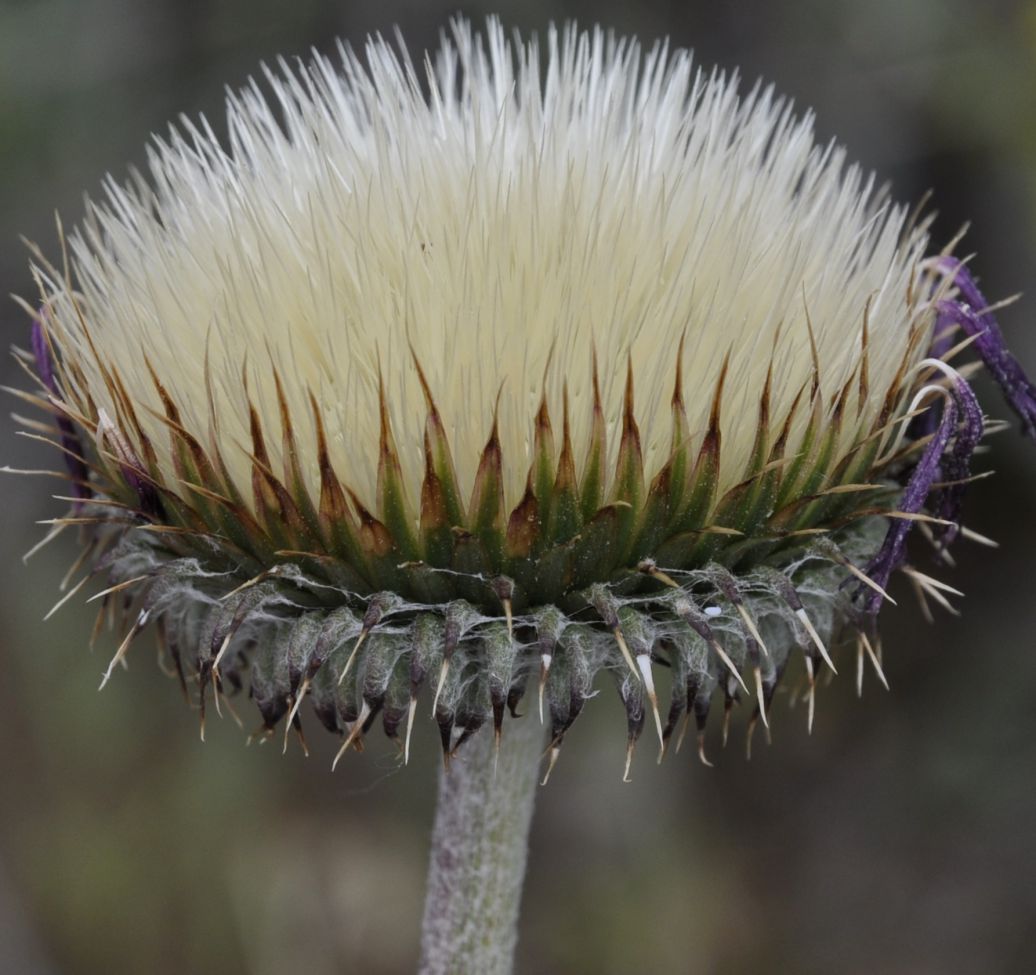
[454, 374]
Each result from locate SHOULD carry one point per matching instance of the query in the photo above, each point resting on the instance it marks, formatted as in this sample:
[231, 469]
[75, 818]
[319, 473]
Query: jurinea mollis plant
[478, 386]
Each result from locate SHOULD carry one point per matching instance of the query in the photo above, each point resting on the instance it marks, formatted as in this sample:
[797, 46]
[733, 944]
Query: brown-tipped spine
[309, 529]
[376, 541]
[754, 498]
[628, 491]
[273, 504]
[827, 449]
[439, 457]
[592, 486]
[679, 453]
[392, 501]
[542, 473]
[797, 468]
[818, 463]
[864, 390]
[666, 495]
[337, 524]
[565, 515]
[523, 527]
[705, 477]
[436, 530]
[487, 500]
[146, 448]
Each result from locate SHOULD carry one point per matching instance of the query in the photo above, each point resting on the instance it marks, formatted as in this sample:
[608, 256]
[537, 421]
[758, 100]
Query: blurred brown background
[898, 839]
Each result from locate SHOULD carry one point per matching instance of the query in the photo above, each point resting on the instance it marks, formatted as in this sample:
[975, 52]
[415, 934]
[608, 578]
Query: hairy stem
[479, 846]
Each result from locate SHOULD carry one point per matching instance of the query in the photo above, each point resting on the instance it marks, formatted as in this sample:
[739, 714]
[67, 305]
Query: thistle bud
[444, 379]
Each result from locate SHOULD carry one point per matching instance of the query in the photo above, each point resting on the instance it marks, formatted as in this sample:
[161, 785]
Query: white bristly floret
[503, 219]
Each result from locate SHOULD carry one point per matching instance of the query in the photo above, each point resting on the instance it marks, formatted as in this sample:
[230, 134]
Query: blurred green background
[900, 838]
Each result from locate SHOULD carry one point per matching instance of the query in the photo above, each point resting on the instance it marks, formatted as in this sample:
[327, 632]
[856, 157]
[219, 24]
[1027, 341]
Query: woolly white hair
[502, 220]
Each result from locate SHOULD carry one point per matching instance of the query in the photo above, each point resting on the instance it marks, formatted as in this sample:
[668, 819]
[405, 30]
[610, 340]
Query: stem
[479, 847]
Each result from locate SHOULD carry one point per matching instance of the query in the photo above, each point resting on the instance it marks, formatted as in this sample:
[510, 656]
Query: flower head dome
[517, 363]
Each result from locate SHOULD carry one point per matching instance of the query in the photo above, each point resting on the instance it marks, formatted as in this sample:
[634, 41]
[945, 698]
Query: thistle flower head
[461, 374]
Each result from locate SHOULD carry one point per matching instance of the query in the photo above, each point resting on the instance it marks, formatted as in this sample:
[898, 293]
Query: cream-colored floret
[502, 219]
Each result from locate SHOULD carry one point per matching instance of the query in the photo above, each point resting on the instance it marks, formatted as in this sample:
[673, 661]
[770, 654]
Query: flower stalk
[479, 845]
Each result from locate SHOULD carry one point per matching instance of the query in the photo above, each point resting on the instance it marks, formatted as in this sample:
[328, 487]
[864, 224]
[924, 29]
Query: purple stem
[956, 466]
[971, 312]
[73, 447]
[961, 420]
